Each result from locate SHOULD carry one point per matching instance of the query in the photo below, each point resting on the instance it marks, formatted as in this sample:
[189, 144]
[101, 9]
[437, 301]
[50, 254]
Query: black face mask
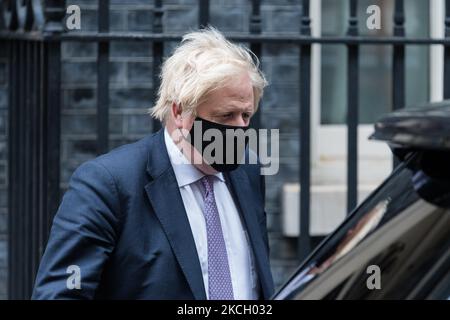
[222, 157]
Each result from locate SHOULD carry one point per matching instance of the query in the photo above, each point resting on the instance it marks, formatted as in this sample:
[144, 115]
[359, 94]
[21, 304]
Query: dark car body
[396, 244]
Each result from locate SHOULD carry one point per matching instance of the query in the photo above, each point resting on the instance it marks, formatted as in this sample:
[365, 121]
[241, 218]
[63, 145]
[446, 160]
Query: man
[149, 220]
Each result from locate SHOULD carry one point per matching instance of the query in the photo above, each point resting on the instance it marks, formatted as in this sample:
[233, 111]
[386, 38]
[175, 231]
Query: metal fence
[31, 31]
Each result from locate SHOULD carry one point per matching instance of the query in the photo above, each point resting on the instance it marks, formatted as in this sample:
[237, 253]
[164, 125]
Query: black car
[396, 244]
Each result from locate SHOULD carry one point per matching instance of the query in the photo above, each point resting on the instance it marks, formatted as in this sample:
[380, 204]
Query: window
[375, 61]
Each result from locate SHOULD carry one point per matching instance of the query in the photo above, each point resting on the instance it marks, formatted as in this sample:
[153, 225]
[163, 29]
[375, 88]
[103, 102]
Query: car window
[394, 234]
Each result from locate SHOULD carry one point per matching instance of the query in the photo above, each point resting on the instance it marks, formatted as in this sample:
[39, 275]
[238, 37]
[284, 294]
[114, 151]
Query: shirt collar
[185, 172]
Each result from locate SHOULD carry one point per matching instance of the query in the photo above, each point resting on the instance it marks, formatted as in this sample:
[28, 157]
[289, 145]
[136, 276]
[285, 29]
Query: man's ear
[176, 115]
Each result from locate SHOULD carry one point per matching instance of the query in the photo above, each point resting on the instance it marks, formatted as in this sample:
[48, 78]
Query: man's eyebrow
[231, 107]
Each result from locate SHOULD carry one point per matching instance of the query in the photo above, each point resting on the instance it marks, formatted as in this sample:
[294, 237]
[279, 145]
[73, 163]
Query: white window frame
[329, 142]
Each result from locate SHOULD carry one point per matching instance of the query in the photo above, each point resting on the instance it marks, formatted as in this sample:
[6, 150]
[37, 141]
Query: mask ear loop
[181, 136]
[181, 133]
[179, 139]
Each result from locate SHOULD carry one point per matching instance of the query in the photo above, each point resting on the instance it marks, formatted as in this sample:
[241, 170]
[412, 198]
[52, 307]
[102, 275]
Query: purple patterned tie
[219, 277]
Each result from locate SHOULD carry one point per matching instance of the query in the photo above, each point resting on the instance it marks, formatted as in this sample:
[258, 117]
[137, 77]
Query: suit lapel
[247, 204]
[165, 197]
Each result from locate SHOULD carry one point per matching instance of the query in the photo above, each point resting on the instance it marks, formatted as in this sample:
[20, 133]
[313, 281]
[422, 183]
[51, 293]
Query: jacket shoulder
[121, 166]
[126, 154]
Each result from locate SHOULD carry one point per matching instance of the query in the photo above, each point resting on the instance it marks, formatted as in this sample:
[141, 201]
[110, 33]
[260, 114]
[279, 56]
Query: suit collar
[158, 158]
[165, 198]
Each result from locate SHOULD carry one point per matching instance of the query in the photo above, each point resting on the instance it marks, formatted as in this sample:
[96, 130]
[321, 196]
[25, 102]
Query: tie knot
[207, 182]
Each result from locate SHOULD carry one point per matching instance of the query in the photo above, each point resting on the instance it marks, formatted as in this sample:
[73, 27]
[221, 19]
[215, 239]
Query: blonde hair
[204, 61]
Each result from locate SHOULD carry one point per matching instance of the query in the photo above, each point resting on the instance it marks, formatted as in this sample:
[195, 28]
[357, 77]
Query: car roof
[423, 127]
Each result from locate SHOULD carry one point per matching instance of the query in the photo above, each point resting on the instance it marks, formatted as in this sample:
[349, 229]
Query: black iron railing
[34, 132]
[32, 32]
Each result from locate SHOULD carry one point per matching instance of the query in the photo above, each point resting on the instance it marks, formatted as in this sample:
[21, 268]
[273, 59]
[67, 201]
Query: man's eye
[227, 115]
[246, 116]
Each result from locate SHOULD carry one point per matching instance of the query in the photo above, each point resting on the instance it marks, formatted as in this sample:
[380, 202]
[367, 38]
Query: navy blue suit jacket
[123, 223]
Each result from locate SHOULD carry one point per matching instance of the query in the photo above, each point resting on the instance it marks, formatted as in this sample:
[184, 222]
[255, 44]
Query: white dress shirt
[240, 257]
